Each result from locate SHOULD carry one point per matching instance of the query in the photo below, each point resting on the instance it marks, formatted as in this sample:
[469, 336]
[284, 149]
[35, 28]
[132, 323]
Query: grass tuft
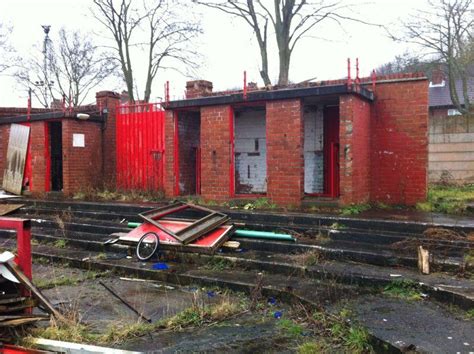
[403, 289]
[447, 199]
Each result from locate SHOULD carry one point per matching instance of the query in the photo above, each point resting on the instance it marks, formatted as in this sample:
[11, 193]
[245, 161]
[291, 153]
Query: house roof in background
[440, 96]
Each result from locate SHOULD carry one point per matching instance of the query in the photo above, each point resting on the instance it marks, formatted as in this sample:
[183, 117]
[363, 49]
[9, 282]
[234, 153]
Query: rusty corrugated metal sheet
[16, 158]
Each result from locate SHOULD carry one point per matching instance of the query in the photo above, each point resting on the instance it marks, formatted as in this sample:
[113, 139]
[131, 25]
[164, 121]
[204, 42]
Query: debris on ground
[9, 208]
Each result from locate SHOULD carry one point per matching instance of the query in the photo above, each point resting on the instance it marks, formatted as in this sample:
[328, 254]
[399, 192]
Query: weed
[336, 226]
[357, 339]
[60, 243]
[404, 289]
[63, 280]
[309, 258]
[311, 348]
[447, 199]
[290, 328]
[118, 333]
[219, 264]
[260, 203]
[354, 209]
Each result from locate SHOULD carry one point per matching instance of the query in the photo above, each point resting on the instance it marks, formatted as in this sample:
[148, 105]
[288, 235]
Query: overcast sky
[227, 46]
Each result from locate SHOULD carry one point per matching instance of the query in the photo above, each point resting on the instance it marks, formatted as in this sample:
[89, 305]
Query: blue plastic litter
[277, 314]
[159, 266]
[211, 294]
[272, 301]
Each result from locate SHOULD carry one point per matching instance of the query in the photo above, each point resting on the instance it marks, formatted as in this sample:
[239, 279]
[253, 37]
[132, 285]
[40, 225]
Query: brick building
[451, 143]
[338, 141]
[65, 153]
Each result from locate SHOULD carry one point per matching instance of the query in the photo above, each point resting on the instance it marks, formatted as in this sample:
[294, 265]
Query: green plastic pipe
[263, 234]
[246, 233]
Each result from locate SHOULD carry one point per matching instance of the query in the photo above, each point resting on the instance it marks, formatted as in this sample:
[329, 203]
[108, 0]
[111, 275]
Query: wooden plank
[12, 300]
[16, 158]
[8, 208]
[23, 279]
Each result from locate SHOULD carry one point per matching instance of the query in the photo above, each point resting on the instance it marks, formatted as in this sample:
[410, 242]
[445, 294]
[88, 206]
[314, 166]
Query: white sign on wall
[78, 140]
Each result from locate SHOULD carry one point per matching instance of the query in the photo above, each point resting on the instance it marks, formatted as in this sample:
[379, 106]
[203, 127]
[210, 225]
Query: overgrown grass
[447, 199]
[119, 195]
[355, 209]
[64, 280]
[198, 314]
[60, 243]
[260, 203]
[403, 289]
[219, 264]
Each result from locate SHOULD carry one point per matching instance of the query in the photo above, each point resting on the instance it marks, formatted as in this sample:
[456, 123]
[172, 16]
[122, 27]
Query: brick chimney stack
[198, 88]
[437, 76]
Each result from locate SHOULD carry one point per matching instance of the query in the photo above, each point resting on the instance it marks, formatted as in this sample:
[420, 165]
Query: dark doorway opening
[56, 148]
[189, 159]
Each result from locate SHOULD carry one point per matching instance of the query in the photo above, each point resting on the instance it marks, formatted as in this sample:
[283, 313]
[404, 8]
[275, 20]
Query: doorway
[321, 151]
[189, 152]
[56, 152]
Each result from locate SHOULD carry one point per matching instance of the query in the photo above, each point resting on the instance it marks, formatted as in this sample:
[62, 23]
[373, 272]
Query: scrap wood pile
[19, 298]
[186, 227]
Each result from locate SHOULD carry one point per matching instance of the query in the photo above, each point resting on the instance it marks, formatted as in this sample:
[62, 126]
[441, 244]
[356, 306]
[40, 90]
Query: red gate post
[22, 227]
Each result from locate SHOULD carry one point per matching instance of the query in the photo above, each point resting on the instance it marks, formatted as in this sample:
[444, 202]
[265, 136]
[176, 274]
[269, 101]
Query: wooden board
[16, 158]
[208, 243]
[8, 208]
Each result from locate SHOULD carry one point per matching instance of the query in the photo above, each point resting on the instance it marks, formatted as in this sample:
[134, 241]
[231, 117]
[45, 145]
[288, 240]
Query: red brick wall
[285, 159]
[169, 154]
[399, 134]
[38, 157]
[354, 135]
[215, 158]
[82, 166]
[109, 100]
[4, 136]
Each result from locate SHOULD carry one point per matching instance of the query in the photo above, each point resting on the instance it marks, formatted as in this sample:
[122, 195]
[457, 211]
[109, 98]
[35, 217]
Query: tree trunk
[283, 78]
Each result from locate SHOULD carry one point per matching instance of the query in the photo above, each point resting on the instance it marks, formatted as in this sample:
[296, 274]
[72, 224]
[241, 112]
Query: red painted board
[207, 241]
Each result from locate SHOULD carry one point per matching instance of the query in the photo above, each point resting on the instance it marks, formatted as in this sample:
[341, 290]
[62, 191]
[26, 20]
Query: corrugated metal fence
[140, 146]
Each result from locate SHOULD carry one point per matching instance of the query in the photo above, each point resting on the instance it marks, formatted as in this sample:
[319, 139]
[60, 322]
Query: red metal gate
[140, 146]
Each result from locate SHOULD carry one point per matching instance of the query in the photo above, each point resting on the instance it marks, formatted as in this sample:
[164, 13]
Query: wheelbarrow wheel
[147, 246]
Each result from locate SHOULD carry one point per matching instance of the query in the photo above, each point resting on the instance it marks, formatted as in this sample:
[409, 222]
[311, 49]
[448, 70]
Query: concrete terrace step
[402, 329]
[396, 221]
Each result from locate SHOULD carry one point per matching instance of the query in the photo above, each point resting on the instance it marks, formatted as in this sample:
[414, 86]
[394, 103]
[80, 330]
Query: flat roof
[270, 95]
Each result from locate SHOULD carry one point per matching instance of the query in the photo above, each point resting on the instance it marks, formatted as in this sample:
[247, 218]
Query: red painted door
[140, 147]
[331, 151]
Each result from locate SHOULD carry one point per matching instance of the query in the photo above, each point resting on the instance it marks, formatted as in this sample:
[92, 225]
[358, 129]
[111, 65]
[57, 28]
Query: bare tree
[73, 67]
[168, 34]
[405, 63]
[445, 30]
[79, 66]
[5, 47]
[291, 20]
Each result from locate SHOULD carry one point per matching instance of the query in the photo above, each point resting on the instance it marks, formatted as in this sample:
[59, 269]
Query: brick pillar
[354, 155]
[4, 137]
[169, 154]
[109, 100]
[39, 146]
[215, 152]
[285, 160]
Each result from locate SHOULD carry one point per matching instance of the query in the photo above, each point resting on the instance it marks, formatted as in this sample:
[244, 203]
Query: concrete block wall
[451, 147]
[313, 149]
[250, 152]
[399, 142]
[354, 149]
[215, 152]
[285, 151]
[82, 166]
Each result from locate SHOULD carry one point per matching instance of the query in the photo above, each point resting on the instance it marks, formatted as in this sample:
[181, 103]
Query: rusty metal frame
[191, 232]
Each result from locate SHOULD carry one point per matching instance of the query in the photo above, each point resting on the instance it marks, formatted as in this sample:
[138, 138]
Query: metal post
[245, 85]
[349, 79]
[357, 72]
